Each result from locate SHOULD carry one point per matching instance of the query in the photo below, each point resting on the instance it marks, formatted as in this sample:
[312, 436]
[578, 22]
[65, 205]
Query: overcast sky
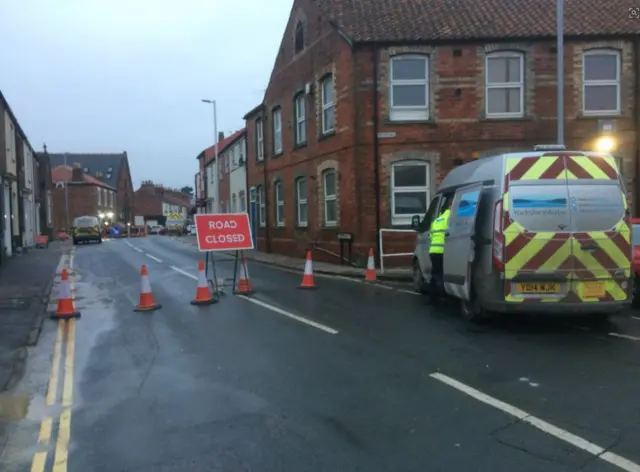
[116, 75]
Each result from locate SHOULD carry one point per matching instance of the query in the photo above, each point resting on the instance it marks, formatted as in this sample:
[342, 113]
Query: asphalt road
[347, 377]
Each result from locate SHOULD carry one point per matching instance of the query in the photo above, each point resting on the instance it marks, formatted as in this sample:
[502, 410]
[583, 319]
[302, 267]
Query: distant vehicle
[86, 229]
[544, 232]
[156, 229]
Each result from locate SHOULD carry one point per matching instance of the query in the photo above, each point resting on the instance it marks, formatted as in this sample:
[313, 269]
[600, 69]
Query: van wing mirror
[415, 222]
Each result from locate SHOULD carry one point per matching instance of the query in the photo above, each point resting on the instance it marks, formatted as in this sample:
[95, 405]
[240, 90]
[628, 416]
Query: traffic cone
[203, 294]
[244, 284]
[146, 297]
[370, 273]
[308, 281]
[66, 309]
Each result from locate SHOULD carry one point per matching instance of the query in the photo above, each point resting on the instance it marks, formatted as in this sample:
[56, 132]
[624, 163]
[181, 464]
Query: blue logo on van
[468, 204]
[540, 202]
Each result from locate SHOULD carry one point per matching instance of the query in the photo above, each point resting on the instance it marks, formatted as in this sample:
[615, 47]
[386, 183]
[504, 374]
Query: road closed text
[223, 232]
[224, 238]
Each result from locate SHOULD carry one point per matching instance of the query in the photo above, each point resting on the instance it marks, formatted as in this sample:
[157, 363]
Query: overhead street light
[215, 151]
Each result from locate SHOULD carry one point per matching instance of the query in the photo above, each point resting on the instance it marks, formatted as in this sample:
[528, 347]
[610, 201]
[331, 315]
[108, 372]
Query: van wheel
[419, 284]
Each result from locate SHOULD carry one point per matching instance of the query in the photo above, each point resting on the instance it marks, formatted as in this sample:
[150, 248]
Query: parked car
[85, 229]
[156, 229]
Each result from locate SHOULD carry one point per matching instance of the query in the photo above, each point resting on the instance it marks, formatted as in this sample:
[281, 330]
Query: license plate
[538, 288]
[594, 289]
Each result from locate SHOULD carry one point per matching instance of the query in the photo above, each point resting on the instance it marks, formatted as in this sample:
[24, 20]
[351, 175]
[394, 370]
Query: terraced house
[112, 170]
[371, 102]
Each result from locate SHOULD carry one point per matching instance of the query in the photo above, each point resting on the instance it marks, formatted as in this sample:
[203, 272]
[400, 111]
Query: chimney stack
[220, 135]
[77, 174]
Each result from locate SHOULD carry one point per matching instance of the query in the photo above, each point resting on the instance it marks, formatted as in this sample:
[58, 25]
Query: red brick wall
[457, 129]
[147, 202]
[125, 198]
[83, 200]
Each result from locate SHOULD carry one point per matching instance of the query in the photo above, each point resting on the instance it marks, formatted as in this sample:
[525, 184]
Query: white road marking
[635, 318]
[152, 257]
[184, 272]
[282, 312]
[542, 425]
[624, 336]
[408, 291]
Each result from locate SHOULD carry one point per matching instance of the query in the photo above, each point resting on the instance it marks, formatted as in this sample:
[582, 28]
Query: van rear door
[601, 233]
[537, 256]
[566, 235]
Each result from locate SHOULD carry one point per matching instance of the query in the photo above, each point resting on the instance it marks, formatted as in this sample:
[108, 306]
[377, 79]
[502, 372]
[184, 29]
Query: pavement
[25, 282]
[348, 377]
[400, 274]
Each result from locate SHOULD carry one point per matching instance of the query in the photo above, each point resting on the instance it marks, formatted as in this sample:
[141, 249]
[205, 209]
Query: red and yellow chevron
[562, 252]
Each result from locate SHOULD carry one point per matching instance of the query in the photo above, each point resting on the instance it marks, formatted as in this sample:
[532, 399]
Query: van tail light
[498, 237]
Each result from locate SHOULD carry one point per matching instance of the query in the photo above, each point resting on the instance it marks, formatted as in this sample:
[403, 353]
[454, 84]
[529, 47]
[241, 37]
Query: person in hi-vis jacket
[436, 251]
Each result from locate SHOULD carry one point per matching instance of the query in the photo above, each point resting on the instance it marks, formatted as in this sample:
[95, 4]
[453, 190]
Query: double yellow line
[65, 342]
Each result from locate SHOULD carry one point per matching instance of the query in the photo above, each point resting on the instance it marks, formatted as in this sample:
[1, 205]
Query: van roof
[563, 151]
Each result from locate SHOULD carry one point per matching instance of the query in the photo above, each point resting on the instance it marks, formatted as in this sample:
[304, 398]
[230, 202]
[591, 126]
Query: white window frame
[406, 219]
[301, 118]
[300, 201]
[99, 195]
[279, 206]
[326, 106]
[262, 214]
[504, 85]
[276, 118]
[234, 203]
[595, 83]
[329, 197]
[259, 140]
[412, 112]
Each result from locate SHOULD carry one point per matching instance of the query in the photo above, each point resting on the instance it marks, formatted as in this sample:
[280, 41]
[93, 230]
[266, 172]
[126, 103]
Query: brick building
[366, 112]
[86, 195]
[155, 202]
[111, 169]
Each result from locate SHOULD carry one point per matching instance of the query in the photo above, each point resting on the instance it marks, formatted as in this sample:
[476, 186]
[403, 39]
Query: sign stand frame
[210, 260]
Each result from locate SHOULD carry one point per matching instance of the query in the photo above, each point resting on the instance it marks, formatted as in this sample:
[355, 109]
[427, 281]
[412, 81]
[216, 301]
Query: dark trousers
[436, 276]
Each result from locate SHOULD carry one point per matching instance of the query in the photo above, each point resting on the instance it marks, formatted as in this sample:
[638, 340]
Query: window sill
[392, 122]
[277, 154]
[330, 227]
[501, 118]
[260, 161]
[599, 116]
[302, 227]
[327, 135]
[299, 146]
[280, 225]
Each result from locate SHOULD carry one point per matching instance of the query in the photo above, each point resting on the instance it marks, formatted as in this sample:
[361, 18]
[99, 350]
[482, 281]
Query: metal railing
[400, 254]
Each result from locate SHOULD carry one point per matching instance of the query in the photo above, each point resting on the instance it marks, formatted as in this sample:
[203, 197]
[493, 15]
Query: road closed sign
[223, 232]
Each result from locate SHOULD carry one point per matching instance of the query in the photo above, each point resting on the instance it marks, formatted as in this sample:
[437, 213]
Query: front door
[459, 248]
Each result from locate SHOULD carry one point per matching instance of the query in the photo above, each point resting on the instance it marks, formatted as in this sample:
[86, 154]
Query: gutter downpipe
[376, 151]
[636, 180]
[267, 233]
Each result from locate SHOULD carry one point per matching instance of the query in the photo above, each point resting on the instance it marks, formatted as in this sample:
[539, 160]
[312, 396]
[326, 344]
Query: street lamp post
[66, 195]
[560, 67]
[215, 153]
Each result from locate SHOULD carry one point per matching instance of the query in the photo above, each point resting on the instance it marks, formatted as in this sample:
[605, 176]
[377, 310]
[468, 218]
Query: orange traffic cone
[244, 284]
[146, 297]
[307, 279]
[66, 309]
[370, 273]
[203, 294]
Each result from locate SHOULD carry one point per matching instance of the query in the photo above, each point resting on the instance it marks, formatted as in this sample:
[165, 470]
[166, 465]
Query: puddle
[13, 407]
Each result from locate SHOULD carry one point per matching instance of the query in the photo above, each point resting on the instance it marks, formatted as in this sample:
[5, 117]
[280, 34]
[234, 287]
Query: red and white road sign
[223, 231]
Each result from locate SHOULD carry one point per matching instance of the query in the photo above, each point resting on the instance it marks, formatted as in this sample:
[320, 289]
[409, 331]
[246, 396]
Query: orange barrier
[244, 284]
[308, 282]
[370, 273]
[147, 302]
[203, 294]
[66, 308]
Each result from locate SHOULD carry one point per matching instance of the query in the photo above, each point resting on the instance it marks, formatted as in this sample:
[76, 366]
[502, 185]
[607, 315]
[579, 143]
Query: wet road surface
[348, 377]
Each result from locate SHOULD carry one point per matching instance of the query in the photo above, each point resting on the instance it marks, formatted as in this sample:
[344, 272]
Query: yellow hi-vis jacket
[436, 233]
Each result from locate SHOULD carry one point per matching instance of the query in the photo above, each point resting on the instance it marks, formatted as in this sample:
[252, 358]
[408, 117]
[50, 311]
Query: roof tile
[65, 173]
[411, 20]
